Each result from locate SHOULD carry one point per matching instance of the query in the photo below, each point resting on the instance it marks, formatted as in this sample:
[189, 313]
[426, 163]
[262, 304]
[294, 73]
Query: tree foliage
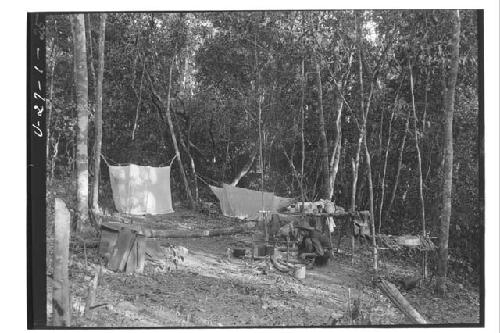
[227, 65]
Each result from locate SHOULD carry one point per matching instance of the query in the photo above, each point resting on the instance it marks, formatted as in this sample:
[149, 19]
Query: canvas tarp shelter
[139, 190]
[243, 203]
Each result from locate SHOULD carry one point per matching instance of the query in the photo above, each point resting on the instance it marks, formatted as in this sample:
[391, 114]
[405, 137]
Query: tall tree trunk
[325, 191]
[384, 170]
[420, 176]
[162, 104]
[192, 203]
[337, 146]
[448, 156]
[191, 161]
[294, 170]
[82, 108]
[90, 56]
[417, 146]
[98, 112]
[398, 169]
[302, 139]
[193, 166]
[372, 216]
[355, 162]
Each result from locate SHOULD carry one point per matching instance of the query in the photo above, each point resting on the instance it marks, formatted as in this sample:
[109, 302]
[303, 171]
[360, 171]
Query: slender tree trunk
[191, 162]
[98, 113]
[261, 158]
[90, 55]
[384, 170]
[448, 155]
[355, 162]
[302, 139]
[193, 166]
[337, 147]
[398, 169]
[419, 158]
[372, 215]
[325, 191]
[82, 107]
[139, 96]
[166, 105]
[389, 138]
[245, 168]
[192, 203]
[420, 176]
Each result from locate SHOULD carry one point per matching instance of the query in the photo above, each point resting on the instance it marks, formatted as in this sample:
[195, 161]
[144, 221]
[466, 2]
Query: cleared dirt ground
[211, 289]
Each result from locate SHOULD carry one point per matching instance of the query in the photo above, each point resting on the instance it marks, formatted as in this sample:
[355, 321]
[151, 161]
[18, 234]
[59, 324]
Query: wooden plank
[121, 251]
[107, 242]
[61, 305]
[338, 215]
[153, 249]
[198, 233]
[141, 253]
[117, 226]
[131, 265]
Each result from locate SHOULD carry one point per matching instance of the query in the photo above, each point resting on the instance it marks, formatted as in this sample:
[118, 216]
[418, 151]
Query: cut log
[121, 251]
[174, 233]
[400, 302]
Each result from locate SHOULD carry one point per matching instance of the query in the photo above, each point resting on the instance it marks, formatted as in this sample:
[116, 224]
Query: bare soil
[210, 289]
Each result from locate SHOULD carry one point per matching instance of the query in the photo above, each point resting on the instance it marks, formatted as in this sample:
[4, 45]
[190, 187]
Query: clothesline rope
[107, 159]
[203, 180]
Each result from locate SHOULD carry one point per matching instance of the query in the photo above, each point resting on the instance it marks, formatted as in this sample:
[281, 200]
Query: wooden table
[347, 220]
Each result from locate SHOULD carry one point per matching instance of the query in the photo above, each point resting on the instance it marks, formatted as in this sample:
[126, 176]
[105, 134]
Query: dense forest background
[320, 90]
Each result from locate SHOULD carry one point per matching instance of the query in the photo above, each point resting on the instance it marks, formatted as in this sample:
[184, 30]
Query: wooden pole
[353, 245]
[349, 311]
[287, 248]
[61, 307]
[92, 290]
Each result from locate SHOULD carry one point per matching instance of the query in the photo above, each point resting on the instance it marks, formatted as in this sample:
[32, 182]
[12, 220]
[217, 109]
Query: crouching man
[314, 247]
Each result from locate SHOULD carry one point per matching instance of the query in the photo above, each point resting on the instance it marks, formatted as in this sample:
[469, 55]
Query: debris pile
[126, 249]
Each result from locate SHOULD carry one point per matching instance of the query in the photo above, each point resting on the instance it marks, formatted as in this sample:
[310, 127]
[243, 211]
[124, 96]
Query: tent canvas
[245, 203]
[139, 190]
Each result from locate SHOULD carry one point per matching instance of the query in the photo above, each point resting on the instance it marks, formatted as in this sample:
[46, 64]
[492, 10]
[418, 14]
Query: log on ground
[400, 302]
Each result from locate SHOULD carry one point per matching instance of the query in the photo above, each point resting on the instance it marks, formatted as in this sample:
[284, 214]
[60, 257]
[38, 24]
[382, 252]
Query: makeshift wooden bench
[125, 248]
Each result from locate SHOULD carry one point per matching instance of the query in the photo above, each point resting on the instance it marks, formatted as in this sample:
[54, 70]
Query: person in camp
[313, 245]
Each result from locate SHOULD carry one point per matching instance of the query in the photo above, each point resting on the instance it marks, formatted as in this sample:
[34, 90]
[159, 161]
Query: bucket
[239, 252]
[300, 272]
